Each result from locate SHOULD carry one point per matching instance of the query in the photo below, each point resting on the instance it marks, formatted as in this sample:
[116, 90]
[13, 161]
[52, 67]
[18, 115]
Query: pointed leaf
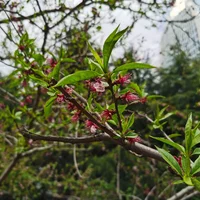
[94, 66]
[196, 151]
[68, 60]
[196, 138]
[166, 116]
[38, 81]
[131, 134]
[130, 121]
[178, 182]
[109, 45]
[77, 76]
[131, 66]
[185, 161]
[55, 72]
[173, 144]
[136, 88]
[188, 134]
[170, 160]
[96, 55]
[48, 106]
[187, 180]
[196, 166]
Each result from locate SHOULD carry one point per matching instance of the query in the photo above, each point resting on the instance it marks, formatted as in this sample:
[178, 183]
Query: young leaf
[77, 76]
[178, 182]
[131, 66]
[188, 134]
[96, 55]
[170, 160]
[196, 183]
[166, 116]
[185, 161]
[68, 60]
[131, 134]
[196, 138]
[94, 66]
[48, 106]
[55, 72]
[38, 81]
[187, 180]
[173, 144]
[196, 151]
[196, 166]
[109, 45]
[136, 88]
[130, 121]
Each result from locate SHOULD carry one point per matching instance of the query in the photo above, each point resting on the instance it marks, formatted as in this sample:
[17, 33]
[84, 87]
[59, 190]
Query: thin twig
[74, 153]
[182, 193]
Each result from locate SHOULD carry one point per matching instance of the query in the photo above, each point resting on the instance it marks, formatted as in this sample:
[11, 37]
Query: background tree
[38, 160]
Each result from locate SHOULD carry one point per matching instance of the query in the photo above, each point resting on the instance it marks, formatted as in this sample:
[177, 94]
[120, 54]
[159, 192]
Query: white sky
[152, 35]
[178, 7]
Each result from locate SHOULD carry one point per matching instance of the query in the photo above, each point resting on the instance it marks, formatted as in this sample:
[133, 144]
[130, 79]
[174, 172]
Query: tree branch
[135, 147]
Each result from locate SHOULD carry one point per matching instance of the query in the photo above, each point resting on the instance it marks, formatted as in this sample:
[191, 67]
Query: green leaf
[130, 121]
[109, 45]
[68, 60]
[48, 106]
[131, 134]
[131, 66]
[55, 73]
[77, 76]
[136, 88]
[186, 164]
[38, 73]
[178, 182]
[38, 58]
[94, 66]
[196, 138]
[173, 144]
[112, 122]
[18, 115]
[170, 160]
[155, 96]
[196, 151]
[196, 166]
[187, 180]
[188, 134]
[160, 113]
[38, 81]
[96, 55]
[166, 116]
[196, 183]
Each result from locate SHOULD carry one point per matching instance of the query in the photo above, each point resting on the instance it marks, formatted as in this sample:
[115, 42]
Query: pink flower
[29, 99]
[91, 126]
[126, 79]
[69, 90]
[22, 104]
[179, 160]
[135, 139]
[2, 106]
[143, 100]
[76, 116]
[21, 47]
[60, 98]
[52, 62]
[129, 97]
[107, 114]
[71, 106]
[98, 85]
